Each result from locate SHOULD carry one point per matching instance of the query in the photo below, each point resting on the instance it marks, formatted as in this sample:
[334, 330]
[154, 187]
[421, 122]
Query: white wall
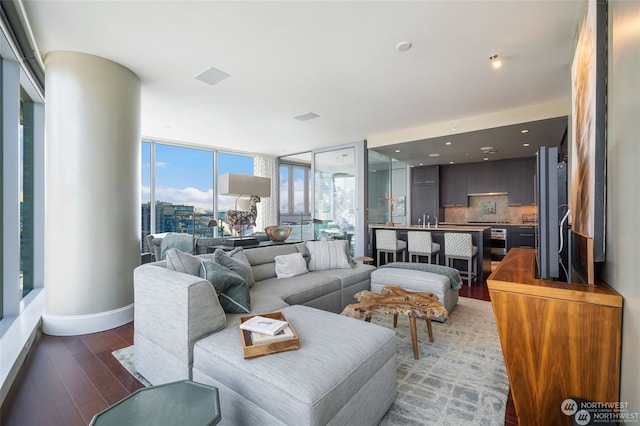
[92, 241]
[623, 175]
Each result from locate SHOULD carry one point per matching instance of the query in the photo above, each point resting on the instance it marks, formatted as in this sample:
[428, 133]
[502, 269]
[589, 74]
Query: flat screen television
[552, 244]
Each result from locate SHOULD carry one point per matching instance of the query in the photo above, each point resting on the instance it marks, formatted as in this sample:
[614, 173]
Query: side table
[395, 300]
[184, 402]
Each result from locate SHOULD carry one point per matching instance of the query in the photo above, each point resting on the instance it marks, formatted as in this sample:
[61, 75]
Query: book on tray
[259, 338]
[264, 325]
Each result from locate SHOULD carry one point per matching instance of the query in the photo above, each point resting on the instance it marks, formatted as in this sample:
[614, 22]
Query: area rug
[460, 378]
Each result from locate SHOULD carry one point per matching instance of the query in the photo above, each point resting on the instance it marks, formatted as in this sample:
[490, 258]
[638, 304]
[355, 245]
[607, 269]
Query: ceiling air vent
[212, 76]
[306, 117]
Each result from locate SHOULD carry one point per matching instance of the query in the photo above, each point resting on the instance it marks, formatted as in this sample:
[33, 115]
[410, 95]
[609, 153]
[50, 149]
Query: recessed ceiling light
[466, 153]
[524, 131]
[403, 46]
[435, 154]
[485, 158]
[307, 116]
[451, 162]
[212, 76]
[486, 148]
[525, 144]
[421, 164]
[397, 150]
[447, 143]
[496, 62]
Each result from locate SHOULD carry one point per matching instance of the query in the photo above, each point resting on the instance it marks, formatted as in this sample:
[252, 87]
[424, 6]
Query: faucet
[436, 221]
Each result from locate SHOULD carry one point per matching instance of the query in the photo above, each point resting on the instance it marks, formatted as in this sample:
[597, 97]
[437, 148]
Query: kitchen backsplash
[488, 208]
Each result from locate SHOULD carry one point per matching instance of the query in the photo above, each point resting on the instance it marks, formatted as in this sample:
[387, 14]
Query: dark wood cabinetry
[425, 193]
[425, 199]
[486, 178]
[426, 175]
[458, 181]
[453, 186]
[520, 182]
[579, 355]
[522, 236]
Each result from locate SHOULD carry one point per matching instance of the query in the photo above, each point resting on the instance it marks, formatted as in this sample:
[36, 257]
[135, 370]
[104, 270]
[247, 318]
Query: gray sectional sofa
[343, 373]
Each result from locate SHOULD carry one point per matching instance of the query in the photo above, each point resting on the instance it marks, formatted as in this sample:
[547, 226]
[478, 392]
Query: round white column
[92, 210]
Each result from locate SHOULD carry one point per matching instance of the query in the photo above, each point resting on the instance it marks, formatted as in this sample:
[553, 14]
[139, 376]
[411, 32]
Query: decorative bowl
[278, 233]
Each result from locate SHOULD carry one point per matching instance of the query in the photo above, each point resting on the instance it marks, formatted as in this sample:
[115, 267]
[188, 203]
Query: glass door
[338, 199]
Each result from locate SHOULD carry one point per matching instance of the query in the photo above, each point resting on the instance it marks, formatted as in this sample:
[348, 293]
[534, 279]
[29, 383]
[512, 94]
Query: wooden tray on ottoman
[250, 350]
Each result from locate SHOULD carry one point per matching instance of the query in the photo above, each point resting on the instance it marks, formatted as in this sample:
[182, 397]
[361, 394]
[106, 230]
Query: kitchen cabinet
[425, 175]
[453, 186]
[425, 192]
[425, 199]
[520, 181]
[522, 236]
[487, 177]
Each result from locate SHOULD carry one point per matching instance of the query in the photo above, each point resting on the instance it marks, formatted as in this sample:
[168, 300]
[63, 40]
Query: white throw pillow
[328, 255]
[290, 265]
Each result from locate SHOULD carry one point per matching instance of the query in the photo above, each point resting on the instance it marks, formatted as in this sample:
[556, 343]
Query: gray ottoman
[343, 373]
[416, 280]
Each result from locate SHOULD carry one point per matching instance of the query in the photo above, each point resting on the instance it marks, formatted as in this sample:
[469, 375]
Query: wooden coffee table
[395, 300]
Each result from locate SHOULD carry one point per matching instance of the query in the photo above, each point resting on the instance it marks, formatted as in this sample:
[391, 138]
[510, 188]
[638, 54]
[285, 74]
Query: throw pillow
[290, 265]
[183, 262]
[232, 290]
[237, 262]
[328, 255]
[182, 242]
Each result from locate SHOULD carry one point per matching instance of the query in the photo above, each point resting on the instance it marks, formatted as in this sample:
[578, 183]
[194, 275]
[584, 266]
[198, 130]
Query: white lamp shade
[235, 184]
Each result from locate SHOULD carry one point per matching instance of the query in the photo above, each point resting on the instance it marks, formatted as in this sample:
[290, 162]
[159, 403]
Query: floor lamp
[244, 186]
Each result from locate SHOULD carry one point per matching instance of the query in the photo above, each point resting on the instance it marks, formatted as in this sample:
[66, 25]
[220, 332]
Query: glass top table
[184, 402]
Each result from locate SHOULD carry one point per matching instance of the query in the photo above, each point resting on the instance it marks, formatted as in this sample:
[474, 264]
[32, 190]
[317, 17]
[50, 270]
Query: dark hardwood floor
[65, 381]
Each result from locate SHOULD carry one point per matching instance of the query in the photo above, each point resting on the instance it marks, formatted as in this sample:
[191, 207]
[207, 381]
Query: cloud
[201, 200]
[161, 164]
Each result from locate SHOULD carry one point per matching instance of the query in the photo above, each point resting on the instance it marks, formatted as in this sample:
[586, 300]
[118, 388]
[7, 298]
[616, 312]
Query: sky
[185, 175]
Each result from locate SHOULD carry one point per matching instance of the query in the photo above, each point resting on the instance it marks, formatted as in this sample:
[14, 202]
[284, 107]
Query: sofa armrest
[173, 310]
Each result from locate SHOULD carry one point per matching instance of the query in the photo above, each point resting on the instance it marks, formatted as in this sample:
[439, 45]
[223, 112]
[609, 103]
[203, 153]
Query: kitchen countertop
[441, 227]
[492, 224]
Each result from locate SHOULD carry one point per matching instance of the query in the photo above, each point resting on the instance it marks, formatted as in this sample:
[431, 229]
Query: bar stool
[419, 243]
[387, 242]
[460, 246]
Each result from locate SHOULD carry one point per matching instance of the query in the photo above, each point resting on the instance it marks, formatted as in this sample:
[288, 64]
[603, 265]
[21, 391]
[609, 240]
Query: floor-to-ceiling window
[231, 163]
[145, 195]
[178, 194]
[335, 194]
[295, 189]
[21, 185]
[26, 175]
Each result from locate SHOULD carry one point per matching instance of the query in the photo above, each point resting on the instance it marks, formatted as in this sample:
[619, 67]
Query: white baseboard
[73, 325]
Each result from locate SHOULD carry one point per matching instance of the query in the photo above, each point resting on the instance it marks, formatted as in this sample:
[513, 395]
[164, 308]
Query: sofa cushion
[183, 262]
[237, 262]
[290, 265]
[298, 290]
[309, 386]
[232, 289]
[328, 255]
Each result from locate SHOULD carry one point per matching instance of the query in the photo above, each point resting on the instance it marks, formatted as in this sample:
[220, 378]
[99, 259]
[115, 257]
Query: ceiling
[336, 59]
[497, 143]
